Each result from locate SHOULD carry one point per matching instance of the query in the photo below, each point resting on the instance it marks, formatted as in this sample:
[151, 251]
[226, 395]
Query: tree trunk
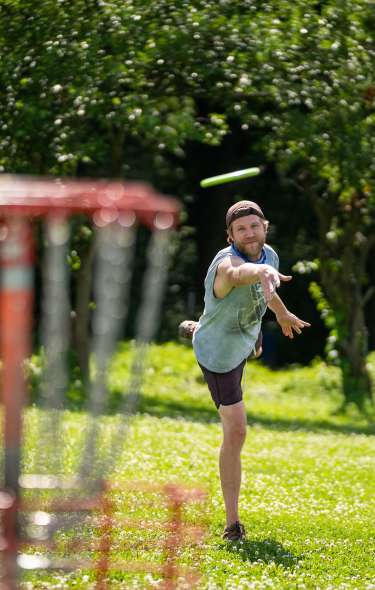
[356, 380]
[370, 307]
[81, 325]
[343, 278]
[81, 319]
[117, 152]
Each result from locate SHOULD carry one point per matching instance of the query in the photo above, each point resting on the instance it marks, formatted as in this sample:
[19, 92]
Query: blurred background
[170, 92]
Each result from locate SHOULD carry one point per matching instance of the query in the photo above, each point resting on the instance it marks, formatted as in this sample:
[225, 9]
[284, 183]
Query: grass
[308, 477]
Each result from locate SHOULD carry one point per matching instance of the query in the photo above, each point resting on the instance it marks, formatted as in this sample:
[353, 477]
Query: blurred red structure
[22, 199]
[104, 200]
[100, 513]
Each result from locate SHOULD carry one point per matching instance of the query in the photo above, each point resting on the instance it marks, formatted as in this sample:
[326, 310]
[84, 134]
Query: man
[241, 283]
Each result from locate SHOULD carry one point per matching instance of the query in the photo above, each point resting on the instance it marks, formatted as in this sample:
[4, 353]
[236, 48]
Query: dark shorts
[225, 388]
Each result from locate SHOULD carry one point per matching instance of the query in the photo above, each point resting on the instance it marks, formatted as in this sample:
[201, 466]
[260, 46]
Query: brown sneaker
[234, 532]
[186, 329]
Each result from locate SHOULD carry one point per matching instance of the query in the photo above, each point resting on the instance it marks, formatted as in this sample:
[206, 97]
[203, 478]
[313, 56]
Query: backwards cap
[241, 209]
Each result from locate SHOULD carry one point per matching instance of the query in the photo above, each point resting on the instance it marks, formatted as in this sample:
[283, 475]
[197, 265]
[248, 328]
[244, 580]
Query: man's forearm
[245, 274]
[250, 273]
[289, 322]
[277, 306]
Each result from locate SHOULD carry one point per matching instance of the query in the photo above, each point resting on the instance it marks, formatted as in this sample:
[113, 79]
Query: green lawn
[308, 499]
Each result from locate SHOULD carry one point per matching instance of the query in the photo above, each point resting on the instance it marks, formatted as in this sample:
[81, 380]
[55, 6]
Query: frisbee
[231, 176]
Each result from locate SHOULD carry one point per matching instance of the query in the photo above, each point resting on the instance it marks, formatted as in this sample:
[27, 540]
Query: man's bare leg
[233, 419]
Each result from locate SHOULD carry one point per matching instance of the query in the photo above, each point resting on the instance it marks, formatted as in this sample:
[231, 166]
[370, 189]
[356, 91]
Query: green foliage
[81, 79]
[84, 81]
[317, 65]
[329, 318]
[120, 88]
[34, 368]
[35, 374]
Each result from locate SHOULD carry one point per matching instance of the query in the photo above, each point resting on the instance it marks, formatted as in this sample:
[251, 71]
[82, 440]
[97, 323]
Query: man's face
[248, 234]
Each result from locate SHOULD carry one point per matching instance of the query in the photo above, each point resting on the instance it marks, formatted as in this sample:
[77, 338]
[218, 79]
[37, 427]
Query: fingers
[269, 286]
[297, 325]
[285, 277]
[293, 323]
[287, 331]
[301, 323]
[258, 352]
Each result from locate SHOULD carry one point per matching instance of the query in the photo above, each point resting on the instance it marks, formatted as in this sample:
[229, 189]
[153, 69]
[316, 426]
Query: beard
[252, 250]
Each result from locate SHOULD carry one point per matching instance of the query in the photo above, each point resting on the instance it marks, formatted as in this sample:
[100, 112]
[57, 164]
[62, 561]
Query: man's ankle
[233, 520]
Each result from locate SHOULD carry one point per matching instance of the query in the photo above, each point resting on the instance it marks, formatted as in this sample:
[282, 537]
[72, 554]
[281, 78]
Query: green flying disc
[230, 176]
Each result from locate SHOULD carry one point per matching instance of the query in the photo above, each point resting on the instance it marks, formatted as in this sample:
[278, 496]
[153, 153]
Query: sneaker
[234, 532]
[186, 329]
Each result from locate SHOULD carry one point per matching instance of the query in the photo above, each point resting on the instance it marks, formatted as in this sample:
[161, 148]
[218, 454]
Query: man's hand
[270, 280]
[289, 322]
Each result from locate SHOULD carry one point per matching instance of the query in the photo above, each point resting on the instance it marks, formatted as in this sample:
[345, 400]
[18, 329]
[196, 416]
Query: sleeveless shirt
[229, 327]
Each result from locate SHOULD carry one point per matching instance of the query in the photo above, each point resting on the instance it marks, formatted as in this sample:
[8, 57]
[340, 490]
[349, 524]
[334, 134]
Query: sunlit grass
[308, 477]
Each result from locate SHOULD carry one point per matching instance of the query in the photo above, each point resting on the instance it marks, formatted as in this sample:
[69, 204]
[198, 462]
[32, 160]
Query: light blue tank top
[229, 327]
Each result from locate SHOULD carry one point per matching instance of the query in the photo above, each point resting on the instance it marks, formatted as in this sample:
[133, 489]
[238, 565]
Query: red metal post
[174, 494]
[16, 297]
[106, 531]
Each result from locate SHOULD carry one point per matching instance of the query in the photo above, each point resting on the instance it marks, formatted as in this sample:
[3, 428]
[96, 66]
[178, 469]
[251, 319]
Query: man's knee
[233, 420]
[235, 434]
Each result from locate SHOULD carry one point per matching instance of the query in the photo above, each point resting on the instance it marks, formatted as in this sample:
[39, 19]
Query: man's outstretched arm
[233, 272]
[287, 320]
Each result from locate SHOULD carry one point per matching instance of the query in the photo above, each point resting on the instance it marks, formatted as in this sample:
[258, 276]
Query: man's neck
[260, 260]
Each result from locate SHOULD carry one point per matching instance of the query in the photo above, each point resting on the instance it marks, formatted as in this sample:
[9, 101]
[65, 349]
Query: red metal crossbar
[104, 506]
[105, 200]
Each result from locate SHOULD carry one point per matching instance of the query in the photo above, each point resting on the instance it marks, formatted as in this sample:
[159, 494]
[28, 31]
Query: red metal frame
[16, 300]
[36, 197]
[104, 507]
[23, 198]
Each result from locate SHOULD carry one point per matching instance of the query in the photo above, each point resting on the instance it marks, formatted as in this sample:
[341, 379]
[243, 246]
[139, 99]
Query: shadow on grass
[160, 407]
[299, 424]
[263, 552]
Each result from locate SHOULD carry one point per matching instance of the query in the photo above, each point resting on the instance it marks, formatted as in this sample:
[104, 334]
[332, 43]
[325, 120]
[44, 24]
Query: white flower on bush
[65, 157]
[305, 266]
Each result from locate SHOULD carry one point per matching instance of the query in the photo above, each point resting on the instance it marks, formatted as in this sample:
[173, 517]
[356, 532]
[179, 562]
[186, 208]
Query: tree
[120, 87]
[316, 65]
[84, 82]
[87, 87]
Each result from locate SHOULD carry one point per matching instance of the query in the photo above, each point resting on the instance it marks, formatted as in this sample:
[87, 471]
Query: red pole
[174, 539]
[106, 527]
[16, 297]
